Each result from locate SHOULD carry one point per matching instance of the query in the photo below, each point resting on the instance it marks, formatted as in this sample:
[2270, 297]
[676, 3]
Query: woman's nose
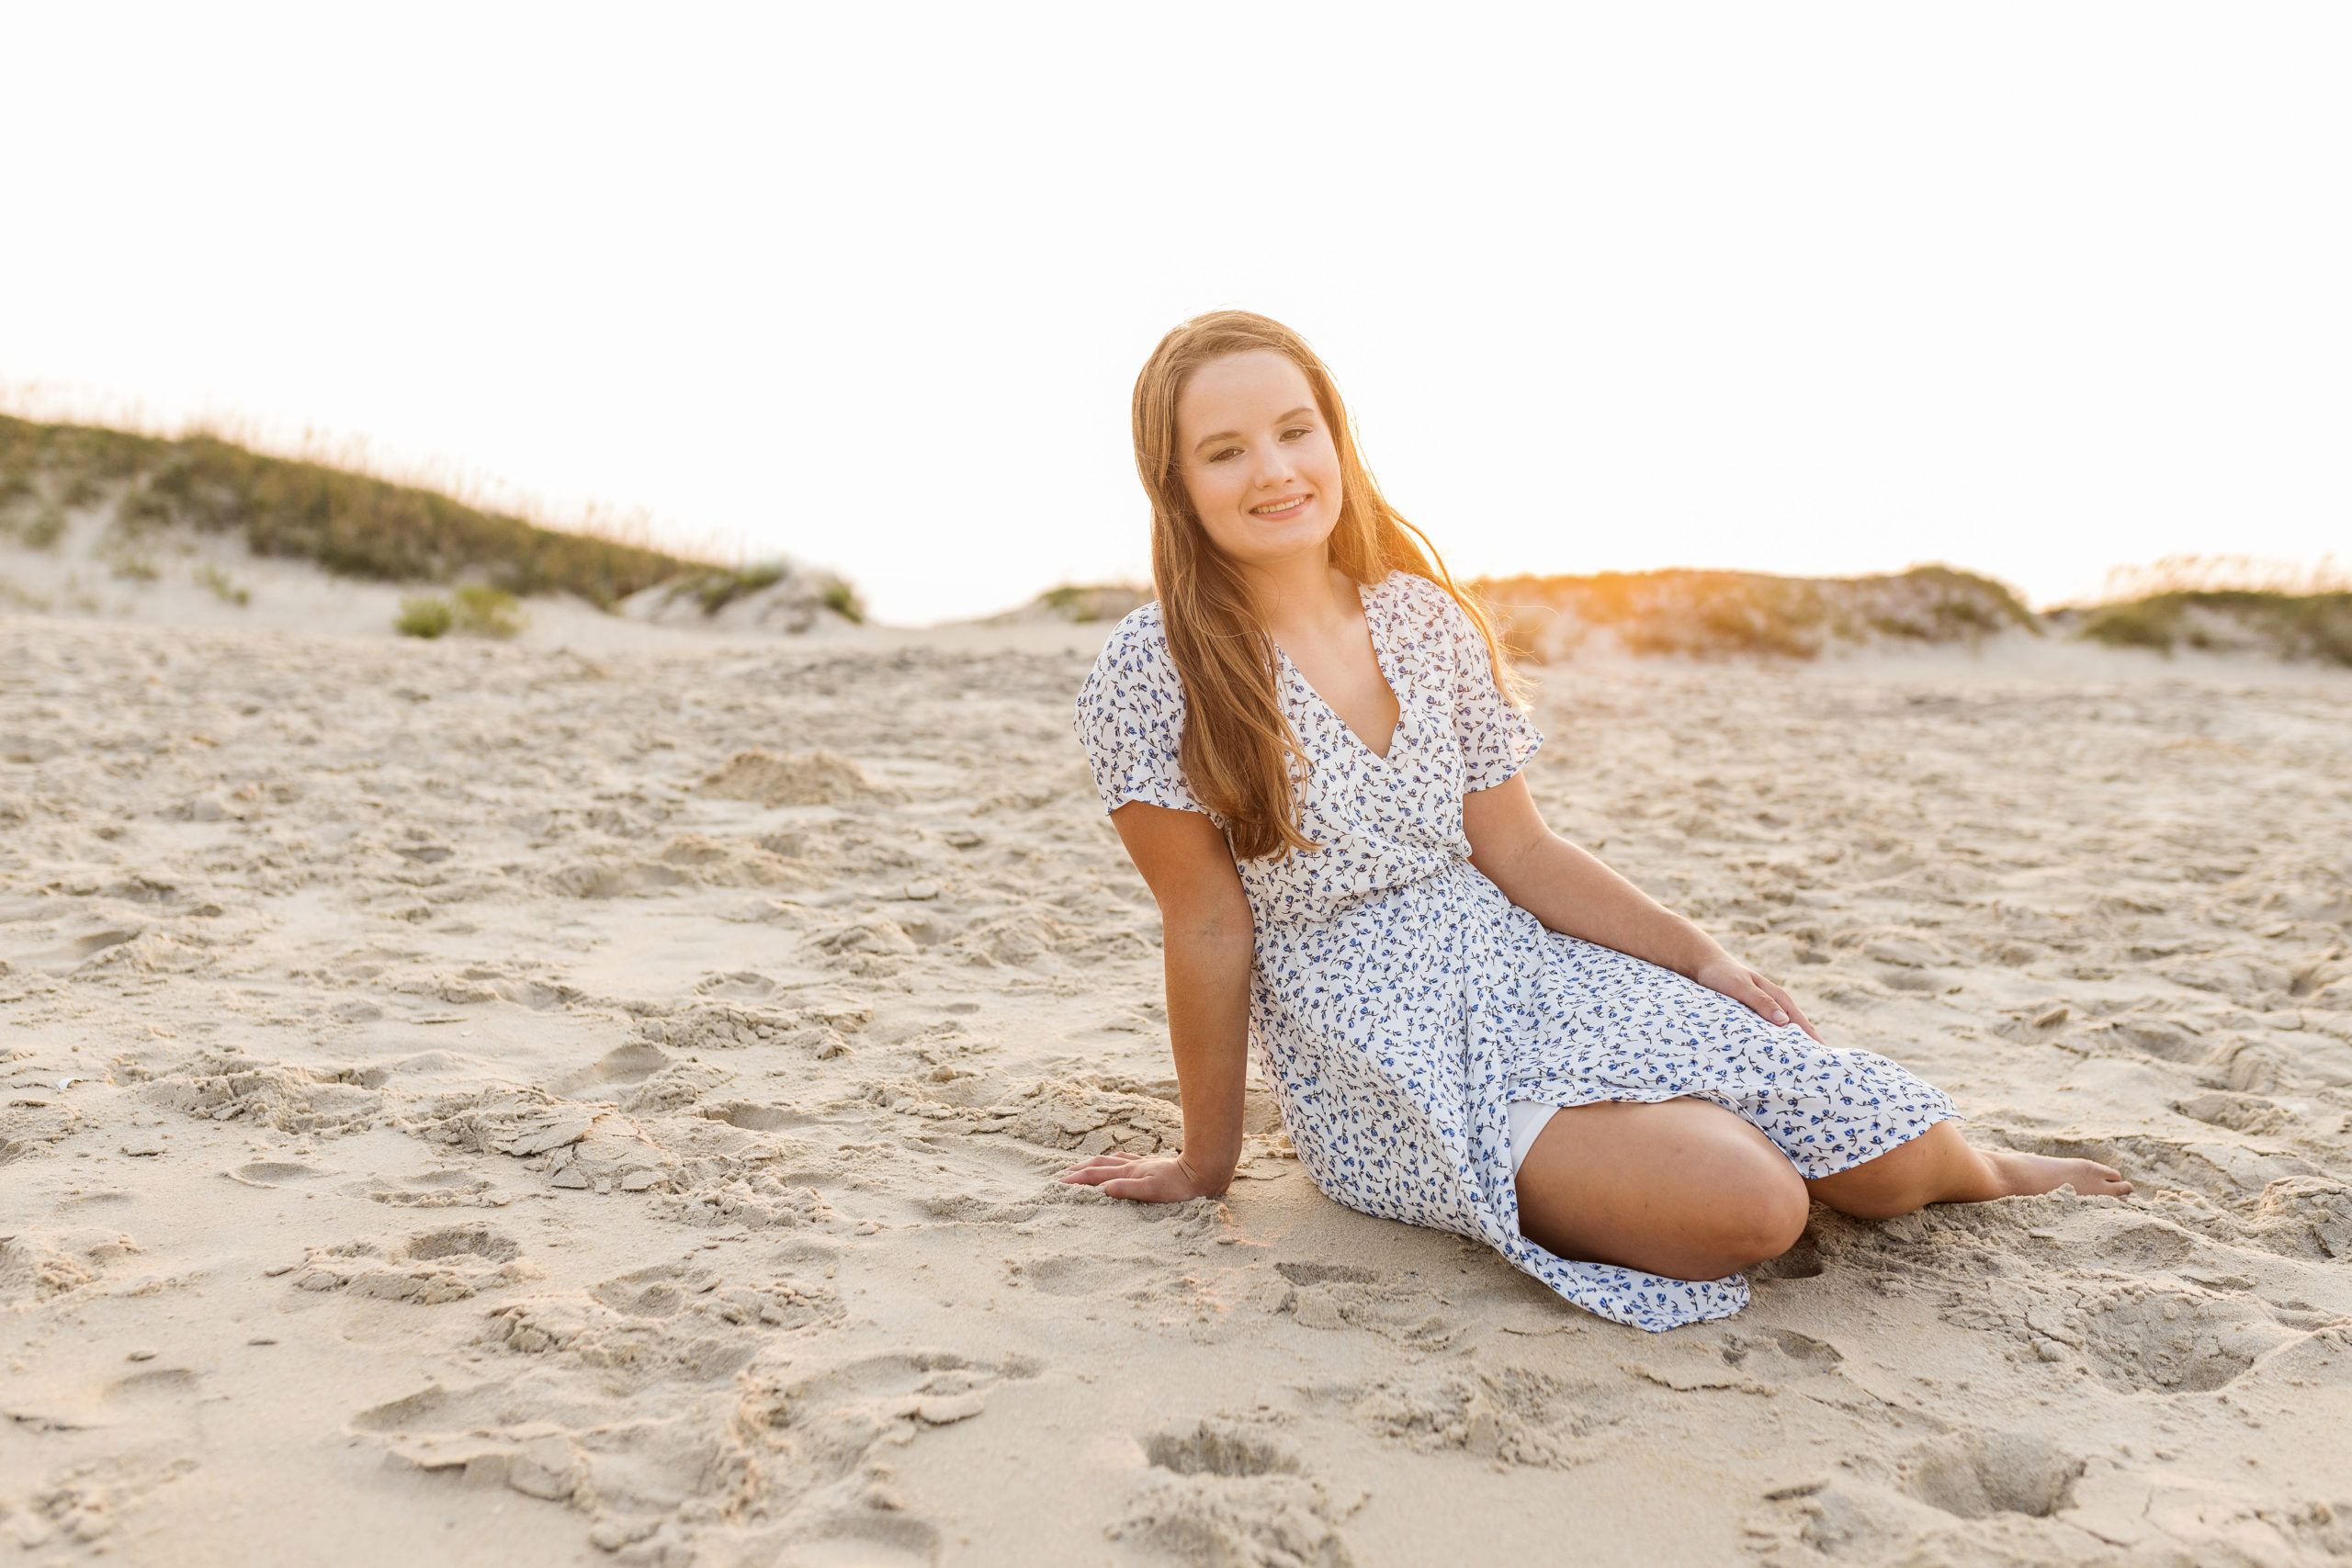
[1272, 467]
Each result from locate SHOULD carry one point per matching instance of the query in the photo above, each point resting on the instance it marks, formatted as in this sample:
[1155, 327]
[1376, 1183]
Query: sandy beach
[554, 1103]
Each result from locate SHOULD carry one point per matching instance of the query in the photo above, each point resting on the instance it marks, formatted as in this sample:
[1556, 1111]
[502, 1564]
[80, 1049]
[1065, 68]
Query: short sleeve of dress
[1497, 739]
[1131, 719]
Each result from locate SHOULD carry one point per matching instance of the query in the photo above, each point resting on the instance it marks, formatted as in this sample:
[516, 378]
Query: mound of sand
[779, 598]
[54, 477]
[801, 778]
[1079, 604]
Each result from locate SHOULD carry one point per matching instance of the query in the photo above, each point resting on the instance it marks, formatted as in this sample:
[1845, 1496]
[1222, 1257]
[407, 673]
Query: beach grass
[777, 592]
[2315, 626]
[843, 601]
[352, 524]
[1713, 614]
[483, 611]
[1080, 603]
[475, 609]
[426, 616]
[716, 590]
[222, 586]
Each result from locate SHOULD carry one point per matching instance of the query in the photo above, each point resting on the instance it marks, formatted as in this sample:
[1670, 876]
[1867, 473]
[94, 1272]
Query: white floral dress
[1399, 1001]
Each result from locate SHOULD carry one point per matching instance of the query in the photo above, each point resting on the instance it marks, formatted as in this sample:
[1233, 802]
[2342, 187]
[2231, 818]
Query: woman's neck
[1308, 595]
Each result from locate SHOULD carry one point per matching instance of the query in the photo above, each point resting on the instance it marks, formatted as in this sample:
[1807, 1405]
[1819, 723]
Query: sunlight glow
[2034, 290]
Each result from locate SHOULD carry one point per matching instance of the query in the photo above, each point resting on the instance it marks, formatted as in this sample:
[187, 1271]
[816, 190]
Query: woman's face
[1259, 461]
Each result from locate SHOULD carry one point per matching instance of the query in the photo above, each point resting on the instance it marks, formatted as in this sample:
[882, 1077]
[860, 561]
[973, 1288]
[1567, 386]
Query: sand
[441, 1128]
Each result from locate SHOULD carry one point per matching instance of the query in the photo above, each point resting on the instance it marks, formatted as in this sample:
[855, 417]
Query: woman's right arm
[1209, 944]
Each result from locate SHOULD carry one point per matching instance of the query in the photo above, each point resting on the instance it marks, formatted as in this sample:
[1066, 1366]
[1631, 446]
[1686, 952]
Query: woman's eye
[1295, 431]
[1228, 452]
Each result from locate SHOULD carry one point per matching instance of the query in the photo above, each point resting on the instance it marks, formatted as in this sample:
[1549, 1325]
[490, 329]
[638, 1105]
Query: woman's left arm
[1574, 894]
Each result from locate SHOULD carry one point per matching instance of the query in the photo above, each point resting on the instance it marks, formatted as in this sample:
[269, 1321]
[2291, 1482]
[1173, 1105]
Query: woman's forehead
[1260, 382]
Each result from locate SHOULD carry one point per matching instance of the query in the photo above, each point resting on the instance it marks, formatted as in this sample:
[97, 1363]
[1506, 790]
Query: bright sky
[2031, 288]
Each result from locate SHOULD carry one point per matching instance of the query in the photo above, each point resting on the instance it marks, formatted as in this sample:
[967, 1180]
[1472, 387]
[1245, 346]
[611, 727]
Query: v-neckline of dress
[1380, 658]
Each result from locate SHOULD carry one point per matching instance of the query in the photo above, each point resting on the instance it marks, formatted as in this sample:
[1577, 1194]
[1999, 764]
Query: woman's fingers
[1771, 1002]
[1096, 1169]
[1764, 996]
[1788, 1007]
[1142, 1189]
[1147, 1179]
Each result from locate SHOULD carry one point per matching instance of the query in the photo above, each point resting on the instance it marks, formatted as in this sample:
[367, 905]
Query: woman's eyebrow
[1236, 435]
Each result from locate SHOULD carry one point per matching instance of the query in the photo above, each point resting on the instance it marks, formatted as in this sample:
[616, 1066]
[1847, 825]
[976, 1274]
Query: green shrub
[223, 588]
[484, 611]
[424, 614]
[2147, 623]
[843, 600]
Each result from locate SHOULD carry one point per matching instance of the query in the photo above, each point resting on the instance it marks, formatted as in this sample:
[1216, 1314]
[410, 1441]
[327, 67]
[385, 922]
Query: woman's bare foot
[1939, 1166]
[2024, 1176]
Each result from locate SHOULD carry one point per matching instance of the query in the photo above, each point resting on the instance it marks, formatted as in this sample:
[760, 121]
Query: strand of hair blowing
[1238, 752]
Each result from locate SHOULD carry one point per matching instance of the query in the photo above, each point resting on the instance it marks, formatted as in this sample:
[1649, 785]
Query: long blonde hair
[1239, 753]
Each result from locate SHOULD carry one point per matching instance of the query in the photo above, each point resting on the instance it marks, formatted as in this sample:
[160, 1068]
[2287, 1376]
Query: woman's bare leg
[1689, 1190]
[1939, 1167]
[1682, 1189]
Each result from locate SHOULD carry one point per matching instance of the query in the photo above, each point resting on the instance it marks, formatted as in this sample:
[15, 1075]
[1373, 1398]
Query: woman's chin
[1269, 547]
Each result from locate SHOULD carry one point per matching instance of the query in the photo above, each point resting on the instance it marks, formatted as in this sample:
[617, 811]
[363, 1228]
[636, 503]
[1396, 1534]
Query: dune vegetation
[1702, 613]
[2223, 603]
[1714, 613]
[475, 609]
[352, 524]
[1078, 604]
[2316, 626]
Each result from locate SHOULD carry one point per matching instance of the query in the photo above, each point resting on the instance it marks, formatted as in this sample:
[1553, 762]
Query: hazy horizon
[1826, 291]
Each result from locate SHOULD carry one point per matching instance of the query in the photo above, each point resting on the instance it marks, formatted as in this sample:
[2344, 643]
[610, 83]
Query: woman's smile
[1281, 510]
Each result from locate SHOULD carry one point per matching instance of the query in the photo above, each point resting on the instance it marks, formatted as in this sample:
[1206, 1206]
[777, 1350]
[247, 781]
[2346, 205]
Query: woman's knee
[1762, 1216]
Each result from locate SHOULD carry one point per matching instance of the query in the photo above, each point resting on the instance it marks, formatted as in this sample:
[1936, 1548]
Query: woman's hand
[1147, 1179]
[1748, 989]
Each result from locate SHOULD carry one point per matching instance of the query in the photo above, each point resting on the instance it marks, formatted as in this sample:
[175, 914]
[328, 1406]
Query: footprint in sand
[2146, 1338]
[450, 1264]
[1974, 1475]
[275, 1173]
[675, 1488]
[37, 1264]
[1089, 1275]
[613, 1074]
[1219, 1490]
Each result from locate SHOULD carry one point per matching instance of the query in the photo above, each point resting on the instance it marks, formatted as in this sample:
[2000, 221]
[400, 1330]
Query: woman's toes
[2092, 1179]
[2029, 1175]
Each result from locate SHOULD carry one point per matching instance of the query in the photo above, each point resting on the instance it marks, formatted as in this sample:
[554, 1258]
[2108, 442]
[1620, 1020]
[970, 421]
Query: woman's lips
[1288, 507]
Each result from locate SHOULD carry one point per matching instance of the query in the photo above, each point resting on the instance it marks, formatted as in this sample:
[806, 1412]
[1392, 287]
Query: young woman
[1311, 748]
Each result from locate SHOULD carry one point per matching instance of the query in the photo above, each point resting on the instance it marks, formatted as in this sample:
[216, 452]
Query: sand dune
[459, 1109]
